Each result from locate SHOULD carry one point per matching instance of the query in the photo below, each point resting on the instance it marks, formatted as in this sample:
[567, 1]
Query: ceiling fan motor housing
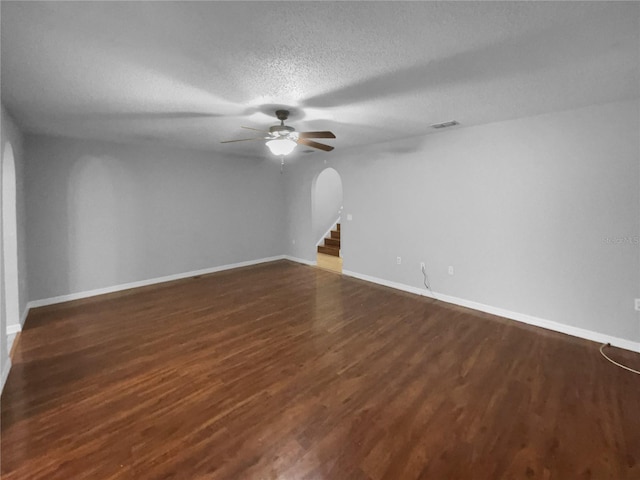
[281, 130]
[282, 115]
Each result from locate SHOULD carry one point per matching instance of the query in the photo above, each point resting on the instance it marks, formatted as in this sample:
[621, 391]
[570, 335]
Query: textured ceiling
[191, 73]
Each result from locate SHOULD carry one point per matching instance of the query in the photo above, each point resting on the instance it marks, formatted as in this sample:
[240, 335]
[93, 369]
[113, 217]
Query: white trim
[5, 373]
[328, 231]
[13, 329]
[11, 339]
[520, 317]
[387, 283]
[10, 235]
[300, 260]
[143, 283]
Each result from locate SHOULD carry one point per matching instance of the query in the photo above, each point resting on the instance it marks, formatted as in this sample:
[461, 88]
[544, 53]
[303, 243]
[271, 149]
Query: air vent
[452, 123]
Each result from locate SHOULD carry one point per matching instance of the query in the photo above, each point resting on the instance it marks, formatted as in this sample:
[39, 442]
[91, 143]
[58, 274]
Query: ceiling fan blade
[311, 143]
[255, 129]
[316, 135]
[243, 140]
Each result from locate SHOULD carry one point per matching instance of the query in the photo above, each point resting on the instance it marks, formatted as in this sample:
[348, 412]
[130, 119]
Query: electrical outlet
[422, 266]
[398, 260]
[638, 304]
[450, 270]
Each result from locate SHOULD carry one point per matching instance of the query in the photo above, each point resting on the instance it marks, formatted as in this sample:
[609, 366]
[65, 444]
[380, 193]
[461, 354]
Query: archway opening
[10, 246]
[327, 212]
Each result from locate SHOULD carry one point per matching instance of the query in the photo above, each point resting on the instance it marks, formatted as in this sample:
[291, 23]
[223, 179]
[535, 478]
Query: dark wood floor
[282, 371]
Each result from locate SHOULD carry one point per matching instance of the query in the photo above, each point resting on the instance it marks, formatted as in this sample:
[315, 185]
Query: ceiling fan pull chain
[281, 164]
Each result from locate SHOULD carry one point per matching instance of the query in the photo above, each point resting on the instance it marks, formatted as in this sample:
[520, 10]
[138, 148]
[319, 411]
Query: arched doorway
[327, 212]
[10, 245]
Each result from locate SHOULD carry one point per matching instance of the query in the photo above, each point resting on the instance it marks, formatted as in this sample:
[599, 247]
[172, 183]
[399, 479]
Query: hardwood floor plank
[286, 371]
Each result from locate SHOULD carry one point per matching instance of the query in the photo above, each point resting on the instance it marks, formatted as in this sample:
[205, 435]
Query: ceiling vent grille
[452, 123]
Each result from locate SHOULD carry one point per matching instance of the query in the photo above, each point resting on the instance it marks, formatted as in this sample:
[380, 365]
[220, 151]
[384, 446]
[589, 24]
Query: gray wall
[539, 216]
[105, 214]
[299, 176]
[326, 202]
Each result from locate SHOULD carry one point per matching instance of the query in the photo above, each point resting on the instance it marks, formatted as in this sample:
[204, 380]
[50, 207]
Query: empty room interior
[320, 240]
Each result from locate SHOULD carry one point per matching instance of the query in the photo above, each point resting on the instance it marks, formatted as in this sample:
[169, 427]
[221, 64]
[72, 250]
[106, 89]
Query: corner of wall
[6, 368]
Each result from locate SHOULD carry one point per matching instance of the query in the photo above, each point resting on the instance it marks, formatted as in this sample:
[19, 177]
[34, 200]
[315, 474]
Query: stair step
[333, 242]
[335, 234]
[335, 251]
[338, 227]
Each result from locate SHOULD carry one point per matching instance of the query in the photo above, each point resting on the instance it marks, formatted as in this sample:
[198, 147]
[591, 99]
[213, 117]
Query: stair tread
[332, 242]
[329, 250]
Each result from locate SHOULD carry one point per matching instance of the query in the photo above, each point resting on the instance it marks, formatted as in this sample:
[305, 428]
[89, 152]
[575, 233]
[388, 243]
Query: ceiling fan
[282, 139]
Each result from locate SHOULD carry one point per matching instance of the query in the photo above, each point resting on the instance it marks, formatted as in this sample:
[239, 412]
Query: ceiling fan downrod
[282, 129]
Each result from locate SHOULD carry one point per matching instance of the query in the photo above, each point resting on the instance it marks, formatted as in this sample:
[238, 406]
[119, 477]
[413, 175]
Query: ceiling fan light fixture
[281, 146]
[282, 139]
[281, 130]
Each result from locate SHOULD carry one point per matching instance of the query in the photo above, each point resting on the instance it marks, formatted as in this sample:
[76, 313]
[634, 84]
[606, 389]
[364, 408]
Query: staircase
[332, 244]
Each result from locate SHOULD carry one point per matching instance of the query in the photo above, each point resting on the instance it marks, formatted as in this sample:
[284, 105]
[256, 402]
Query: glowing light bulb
[281, 146]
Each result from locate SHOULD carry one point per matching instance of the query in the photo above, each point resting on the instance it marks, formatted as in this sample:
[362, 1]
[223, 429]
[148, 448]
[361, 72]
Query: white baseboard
[17, 328]
[500, 312]
[388, 283]
[10, 341]
[520, 317]
[143, 283]
[13, 329]
[5, 373]
[300, 260]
